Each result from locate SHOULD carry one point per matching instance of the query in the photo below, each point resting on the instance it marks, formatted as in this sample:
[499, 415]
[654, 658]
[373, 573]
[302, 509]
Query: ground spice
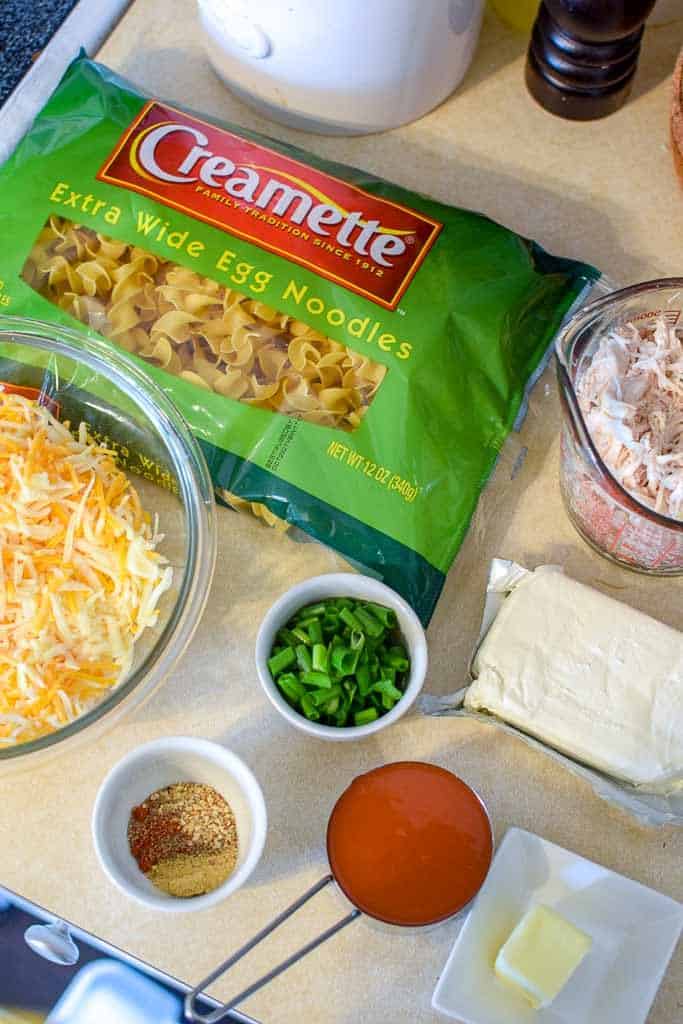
[184, 838]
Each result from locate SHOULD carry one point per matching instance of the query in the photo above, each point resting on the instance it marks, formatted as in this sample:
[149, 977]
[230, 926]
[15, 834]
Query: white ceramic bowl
[161, 763]
[342, 585]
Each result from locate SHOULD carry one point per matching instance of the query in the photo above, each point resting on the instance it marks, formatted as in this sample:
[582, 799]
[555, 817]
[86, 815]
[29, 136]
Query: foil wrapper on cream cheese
[591, 681]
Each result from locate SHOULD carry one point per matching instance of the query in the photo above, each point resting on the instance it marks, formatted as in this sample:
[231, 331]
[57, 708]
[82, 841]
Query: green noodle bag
[351, 355]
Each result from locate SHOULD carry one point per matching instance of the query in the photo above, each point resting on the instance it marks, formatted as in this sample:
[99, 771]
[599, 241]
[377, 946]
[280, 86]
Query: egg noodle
[191, 326]
[80, 576]
[350, 354]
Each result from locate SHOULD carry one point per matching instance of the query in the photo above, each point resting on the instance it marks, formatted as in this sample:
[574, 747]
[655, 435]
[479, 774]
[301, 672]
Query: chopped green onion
[309, 708]
[397, 658]
[303, 657]
[305, 625]
[385, 686]
[357, 640]
[341, 661]
[389, 693]
[316, 679]
[282, 660]
[291, 687]
[324, 696]
[363, 679]
[315, 631]
[366, 716]
[369, 623]
[316, 610]
[387, 616]
[321, 658]
[347, 616]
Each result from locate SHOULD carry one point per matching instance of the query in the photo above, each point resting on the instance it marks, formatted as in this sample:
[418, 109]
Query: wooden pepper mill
[583, 55]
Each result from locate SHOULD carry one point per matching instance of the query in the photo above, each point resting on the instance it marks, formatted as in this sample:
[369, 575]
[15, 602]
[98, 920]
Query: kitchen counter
[604, 192]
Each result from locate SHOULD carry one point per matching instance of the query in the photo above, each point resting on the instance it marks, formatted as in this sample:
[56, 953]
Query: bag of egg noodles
[350, 354]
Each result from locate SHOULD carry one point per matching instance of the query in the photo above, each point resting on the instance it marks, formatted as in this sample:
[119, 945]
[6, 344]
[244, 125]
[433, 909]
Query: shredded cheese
[80, 576]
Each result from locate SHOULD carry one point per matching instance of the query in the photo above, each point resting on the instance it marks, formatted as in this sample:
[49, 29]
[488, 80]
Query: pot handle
[220, 1013]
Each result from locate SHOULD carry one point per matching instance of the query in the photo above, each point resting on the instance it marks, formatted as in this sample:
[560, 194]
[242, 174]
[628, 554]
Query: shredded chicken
[631, 396]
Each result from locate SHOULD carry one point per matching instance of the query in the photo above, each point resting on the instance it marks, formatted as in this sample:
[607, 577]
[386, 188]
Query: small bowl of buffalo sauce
[409, 844]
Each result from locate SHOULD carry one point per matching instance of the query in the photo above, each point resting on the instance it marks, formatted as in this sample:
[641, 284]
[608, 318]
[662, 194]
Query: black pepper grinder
[583, 55]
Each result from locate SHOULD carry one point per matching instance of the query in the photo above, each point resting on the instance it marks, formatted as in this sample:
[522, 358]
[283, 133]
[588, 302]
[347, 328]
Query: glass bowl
[96, 383]
[607, 516]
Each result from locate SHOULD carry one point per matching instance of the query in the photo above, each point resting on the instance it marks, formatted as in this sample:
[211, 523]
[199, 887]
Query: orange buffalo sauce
[409, 843]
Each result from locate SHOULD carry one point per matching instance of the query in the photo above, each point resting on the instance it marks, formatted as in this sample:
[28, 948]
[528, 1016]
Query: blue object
[108, 992]
[56, 970]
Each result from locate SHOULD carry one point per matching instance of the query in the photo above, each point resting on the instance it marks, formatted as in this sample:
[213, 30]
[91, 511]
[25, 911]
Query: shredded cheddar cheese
[80, 576]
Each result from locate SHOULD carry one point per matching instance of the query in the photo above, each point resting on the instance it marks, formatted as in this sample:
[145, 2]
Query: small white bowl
[158, 764]
[342, 585]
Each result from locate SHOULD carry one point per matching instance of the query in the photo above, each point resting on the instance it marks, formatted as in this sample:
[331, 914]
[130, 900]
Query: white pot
[341, 66]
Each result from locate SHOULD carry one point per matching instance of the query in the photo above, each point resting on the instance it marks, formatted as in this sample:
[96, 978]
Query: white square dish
[634, 931]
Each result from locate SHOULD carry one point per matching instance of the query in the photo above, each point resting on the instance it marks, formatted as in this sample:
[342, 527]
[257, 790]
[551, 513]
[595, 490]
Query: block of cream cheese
[587, 675]
[541, 955]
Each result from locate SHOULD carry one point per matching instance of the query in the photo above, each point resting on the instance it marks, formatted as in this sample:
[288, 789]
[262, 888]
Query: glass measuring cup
[606, 515]
[409, 844]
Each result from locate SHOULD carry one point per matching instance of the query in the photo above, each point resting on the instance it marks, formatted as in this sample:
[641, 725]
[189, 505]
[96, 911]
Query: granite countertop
[604, 192]
[27, 28]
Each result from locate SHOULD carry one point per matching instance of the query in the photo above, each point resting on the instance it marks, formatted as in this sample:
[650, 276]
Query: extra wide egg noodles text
[210, 335]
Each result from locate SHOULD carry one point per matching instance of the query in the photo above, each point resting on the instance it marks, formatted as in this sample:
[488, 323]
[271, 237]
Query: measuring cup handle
[219, 1014]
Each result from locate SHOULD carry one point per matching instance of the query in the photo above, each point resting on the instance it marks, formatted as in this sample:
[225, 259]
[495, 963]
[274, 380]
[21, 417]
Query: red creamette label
[367, 244]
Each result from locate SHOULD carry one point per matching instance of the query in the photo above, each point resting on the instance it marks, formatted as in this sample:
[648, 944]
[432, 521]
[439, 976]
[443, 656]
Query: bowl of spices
[341, 656]
[179, 823]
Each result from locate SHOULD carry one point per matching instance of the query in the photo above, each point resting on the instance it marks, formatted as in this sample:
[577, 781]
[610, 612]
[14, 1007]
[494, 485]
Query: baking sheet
[647, 808]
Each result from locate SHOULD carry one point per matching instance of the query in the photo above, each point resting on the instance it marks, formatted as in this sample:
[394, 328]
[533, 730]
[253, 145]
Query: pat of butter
[588, 675]
[541, 955]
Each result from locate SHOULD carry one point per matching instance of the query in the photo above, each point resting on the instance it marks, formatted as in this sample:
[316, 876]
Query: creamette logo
[371, 245]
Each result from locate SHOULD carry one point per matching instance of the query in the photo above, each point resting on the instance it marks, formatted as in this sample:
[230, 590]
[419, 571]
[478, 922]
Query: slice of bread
[677, 117]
